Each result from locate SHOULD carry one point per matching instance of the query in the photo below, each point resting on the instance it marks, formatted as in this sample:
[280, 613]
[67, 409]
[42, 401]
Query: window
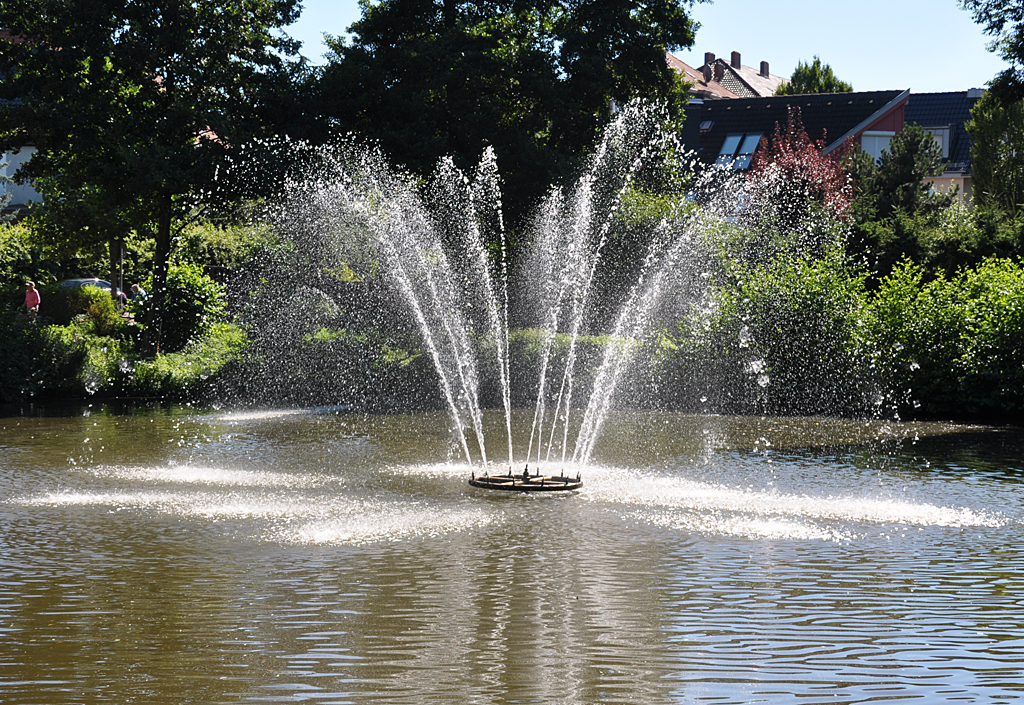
[747, 150]
[875, 142]
[729, 147]
[941, 137]
[738, 150]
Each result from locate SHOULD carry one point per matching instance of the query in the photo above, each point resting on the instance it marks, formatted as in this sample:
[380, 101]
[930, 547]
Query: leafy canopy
[136, 96]
[534, 79]
[1003, 20]
[131, 103]
[814, 77]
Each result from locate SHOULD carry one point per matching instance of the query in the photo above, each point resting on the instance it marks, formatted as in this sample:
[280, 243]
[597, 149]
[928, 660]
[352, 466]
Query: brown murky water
[165, 556]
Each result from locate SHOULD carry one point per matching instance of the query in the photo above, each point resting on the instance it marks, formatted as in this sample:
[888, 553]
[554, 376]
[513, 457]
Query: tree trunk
[161, 259]
[115, 259]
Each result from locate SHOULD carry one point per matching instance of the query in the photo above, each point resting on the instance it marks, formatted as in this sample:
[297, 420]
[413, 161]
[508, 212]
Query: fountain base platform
[526, 482]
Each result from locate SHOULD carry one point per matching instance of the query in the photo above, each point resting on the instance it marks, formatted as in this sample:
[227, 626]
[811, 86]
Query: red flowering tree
[791, 181]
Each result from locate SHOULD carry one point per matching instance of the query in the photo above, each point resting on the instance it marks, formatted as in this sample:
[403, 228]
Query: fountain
[444, 252]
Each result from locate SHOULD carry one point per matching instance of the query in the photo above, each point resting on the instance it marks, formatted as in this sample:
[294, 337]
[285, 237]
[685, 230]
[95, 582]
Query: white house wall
[23, 193]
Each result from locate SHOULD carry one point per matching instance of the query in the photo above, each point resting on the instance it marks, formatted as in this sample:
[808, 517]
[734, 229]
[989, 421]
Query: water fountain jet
[444, 251]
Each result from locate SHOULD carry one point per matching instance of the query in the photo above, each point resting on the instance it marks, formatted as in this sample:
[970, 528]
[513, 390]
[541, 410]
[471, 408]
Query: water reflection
[316, 555]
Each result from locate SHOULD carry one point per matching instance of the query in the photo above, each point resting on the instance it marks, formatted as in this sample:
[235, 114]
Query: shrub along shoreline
[788, 337]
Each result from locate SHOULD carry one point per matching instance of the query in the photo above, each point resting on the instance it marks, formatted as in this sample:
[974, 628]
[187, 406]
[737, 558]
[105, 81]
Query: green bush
[87, 306]
[39, 360]
[945, 240]
[785, 337]
[954, 346]
[191, 372]
[193, 303]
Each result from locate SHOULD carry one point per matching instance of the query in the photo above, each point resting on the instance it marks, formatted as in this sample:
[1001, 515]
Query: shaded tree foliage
[132, 104]
[814, 77]
[534, 79]
[997, 153]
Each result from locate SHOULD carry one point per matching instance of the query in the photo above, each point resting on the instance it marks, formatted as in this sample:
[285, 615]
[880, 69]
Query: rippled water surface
[164, 555]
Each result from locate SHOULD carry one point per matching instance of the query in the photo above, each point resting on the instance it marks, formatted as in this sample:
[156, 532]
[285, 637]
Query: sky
[923, 45]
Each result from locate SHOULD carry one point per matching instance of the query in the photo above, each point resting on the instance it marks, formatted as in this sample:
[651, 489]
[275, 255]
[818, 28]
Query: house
[943, 115]
[730, 131]
[718, 79]
[21, 194]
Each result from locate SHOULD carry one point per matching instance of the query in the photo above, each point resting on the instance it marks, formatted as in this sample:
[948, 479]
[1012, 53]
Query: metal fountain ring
[525, 482]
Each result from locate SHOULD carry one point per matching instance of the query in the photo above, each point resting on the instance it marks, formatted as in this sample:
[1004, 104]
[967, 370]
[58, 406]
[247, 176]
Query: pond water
[166, 555]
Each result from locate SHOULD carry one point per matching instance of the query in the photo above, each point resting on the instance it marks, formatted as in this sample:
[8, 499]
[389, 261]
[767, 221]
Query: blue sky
[923, 45]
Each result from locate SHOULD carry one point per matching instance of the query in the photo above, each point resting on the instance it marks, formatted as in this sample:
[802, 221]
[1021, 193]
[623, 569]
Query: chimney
[735, 60]
[764, 69]
[709, 61]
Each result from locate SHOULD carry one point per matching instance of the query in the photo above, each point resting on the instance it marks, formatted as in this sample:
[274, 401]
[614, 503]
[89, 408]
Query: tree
[1004, 20]
[814, 77]
[901, 181]
[896, 211]
[534, 79]
[136, 100]
[898, 181]
[997, 153]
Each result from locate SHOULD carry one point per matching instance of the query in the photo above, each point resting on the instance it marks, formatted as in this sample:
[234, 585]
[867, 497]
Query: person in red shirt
[31, 299]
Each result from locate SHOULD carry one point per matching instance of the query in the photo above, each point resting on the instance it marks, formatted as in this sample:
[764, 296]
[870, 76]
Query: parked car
[69, 285]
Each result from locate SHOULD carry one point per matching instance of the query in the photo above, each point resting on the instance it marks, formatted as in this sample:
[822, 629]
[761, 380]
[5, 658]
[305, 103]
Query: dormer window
[941, 136]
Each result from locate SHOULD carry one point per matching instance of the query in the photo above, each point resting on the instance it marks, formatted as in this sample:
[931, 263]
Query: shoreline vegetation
[784, 335]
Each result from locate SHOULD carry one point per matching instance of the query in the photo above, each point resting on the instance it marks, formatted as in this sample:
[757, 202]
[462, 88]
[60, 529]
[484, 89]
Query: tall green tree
[534, 79]
[901, 181]
[895, 210]
[136, 101]
[997, 153]
[814, 77]
[1004, 20]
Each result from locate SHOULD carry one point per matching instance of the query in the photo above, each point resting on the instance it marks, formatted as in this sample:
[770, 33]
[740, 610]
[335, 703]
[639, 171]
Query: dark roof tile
[826, 116]
[935, 110]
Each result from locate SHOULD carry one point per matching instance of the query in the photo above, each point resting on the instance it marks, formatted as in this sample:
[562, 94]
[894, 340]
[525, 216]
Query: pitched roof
[826, 116]
[701, 88]
[946, 110]
[753, 81]
[718, 78]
